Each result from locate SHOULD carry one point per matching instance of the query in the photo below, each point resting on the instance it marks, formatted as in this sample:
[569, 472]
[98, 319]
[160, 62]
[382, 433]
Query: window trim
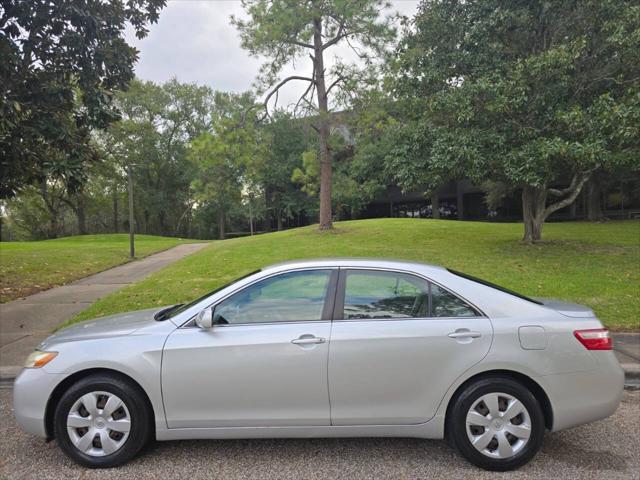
[489, 284]
[338, 309]
[327, 308]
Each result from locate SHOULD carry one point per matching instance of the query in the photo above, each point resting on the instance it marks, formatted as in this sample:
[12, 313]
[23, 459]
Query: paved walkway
[24, 323]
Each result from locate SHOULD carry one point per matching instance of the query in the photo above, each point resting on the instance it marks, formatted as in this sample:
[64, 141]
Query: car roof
[354, 262]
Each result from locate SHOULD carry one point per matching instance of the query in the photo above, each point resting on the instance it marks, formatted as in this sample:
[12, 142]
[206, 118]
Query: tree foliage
[61, 64]
[289, 138]
[536, 94]
[228, 156]
[158, 122]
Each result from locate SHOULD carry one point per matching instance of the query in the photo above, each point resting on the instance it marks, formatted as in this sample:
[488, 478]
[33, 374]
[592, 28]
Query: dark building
[462, 200]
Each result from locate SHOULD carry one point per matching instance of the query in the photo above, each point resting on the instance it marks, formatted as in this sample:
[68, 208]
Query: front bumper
[582, 397]
[31, 392]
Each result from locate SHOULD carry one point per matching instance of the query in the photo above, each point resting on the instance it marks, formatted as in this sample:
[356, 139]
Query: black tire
[457, 426]
[136, 404]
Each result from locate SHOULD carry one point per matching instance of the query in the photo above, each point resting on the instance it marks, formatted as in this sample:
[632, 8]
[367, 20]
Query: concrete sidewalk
[24, 323]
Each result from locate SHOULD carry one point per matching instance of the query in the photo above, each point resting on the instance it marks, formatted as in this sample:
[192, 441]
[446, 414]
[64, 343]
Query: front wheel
[102, 421]
[496, 424]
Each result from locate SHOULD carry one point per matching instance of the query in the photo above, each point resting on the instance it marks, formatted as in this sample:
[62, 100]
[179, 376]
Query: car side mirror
[205, 318]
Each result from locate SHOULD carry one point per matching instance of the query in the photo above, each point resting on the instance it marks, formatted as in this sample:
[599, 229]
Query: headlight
[39, 359]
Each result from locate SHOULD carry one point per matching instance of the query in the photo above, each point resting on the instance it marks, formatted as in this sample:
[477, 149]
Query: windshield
[171, 312]
[493, 285]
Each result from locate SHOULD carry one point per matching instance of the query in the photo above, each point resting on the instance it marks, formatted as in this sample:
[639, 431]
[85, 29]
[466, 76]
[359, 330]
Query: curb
[631, 371]
[9, 372]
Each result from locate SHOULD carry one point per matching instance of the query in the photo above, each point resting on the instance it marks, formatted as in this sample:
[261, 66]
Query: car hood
[110, 326]
[567, 309]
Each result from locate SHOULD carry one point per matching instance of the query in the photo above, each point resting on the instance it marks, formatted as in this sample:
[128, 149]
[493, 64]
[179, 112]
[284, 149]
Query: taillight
[594, 339]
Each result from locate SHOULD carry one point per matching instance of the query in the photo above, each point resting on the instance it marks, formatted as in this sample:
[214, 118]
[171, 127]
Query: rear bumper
[31, 392]
[583, 397]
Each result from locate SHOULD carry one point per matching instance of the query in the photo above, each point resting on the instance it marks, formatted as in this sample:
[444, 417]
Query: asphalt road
[609, 449]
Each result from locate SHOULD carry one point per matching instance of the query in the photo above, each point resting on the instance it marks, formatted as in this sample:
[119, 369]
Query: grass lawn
[593, 264]
[28, 267]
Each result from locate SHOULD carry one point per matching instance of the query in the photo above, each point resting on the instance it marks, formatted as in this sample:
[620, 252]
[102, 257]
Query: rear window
[493, 285]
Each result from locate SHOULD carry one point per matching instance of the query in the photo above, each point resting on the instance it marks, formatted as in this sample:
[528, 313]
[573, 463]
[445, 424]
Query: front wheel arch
[64, 385]
[537, 391]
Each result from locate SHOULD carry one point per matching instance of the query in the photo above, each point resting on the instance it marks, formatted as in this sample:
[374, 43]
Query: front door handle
[464, 334]
[305, 340]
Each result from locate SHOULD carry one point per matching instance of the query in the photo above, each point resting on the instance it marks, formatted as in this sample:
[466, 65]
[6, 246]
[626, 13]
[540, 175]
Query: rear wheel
[102, 421]
[496, 424]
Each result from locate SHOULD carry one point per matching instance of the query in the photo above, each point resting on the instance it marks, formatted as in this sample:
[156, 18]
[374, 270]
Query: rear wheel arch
[537, 391]
[64, 385]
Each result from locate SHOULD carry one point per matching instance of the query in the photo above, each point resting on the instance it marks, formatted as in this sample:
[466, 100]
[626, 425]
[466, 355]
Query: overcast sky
[194, 41]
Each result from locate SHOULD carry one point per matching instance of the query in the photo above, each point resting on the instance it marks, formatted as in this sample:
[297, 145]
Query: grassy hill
[28, 267]
[594, 264]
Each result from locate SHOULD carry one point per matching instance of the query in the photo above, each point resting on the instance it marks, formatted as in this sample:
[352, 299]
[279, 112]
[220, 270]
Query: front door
[264, 363]
[398, 343]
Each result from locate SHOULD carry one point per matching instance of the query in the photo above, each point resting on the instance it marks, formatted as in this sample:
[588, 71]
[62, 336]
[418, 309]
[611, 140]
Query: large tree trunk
[279, 219]
[594, 200]
[435, 206]
[221, 232]
[535, 209]
[323, 129]
[533, 206]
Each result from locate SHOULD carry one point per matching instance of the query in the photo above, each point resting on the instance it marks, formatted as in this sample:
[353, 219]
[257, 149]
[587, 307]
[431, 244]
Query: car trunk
[573, 310]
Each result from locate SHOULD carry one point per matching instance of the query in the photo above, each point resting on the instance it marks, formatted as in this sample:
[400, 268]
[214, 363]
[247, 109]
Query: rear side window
[372, 294]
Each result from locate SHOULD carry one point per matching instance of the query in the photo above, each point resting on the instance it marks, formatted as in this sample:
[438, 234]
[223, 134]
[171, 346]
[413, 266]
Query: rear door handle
[308, 340]
[464, 334]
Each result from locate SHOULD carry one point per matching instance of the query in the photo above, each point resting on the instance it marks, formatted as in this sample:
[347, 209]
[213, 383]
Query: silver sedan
[326, 348]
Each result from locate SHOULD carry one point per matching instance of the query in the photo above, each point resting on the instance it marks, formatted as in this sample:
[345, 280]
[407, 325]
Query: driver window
[289, 297]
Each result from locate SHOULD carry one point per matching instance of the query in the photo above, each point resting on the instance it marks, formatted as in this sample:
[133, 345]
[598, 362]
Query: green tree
[228, 155]
[61, 63]
[218, 182]
[376, 124]
[308, 175]
[288, 30]
[158, 122]
[356, 181]
[289, 138]
[532, 94]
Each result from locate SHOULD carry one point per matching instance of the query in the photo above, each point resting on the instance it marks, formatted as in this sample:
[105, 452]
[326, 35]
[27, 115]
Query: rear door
[398, 342]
